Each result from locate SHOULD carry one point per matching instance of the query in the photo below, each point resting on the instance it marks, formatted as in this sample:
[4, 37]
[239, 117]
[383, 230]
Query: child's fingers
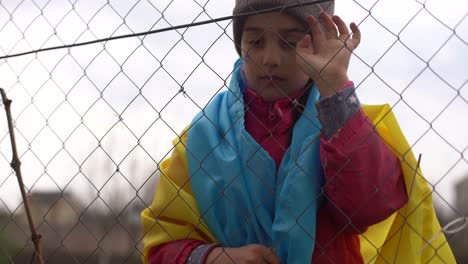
[342, 28]
[271, 256]
[305, 42]
[330, 29]
[318, 37]
[356, 34]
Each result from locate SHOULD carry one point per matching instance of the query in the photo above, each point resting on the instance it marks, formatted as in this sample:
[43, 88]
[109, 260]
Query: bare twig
[16, 165]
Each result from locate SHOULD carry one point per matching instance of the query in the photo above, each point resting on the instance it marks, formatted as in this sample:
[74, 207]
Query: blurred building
[461, 190]
[459, 241]
[55, 208]
[75, 232]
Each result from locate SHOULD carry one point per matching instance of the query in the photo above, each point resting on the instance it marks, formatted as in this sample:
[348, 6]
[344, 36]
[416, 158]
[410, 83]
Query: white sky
[45, 121]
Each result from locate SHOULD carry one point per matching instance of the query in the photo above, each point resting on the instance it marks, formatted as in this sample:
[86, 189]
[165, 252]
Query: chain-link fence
[101, 88]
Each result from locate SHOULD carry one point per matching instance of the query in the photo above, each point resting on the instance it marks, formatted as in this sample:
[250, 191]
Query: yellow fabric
[396, 240]
[174, 214]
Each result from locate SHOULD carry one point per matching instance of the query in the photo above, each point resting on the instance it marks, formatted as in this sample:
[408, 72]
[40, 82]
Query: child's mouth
[272, 78]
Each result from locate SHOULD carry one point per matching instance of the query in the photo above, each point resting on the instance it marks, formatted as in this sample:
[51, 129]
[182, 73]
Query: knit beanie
[301, 13]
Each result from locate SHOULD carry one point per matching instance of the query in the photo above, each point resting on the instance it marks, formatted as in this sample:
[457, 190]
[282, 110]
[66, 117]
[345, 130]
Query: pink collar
[276, 109]
[271, 123]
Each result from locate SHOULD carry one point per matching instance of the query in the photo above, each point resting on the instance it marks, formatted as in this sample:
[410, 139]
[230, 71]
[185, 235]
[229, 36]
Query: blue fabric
[241, 195]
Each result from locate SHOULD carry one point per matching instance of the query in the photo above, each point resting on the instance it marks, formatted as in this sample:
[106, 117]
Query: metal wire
[101, 89]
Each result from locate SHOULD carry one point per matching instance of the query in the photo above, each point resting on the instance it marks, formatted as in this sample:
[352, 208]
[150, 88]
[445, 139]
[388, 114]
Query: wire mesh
[101, 88]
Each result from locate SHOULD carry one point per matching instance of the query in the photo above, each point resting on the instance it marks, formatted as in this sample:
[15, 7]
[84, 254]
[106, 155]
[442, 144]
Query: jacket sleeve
[364, 183]
[173, 215]
[176, 252]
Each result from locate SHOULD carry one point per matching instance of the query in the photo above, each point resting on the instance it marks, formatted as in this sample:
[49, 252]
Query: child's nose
[271, 56]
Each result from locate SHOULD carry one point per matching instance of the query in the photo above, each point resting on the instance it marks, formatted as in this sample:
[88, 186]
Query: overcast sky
[418, 67]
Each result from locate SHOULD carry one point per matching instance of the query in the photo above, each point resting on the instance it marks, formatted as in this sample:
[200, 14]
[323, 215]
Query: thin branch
[16, 165]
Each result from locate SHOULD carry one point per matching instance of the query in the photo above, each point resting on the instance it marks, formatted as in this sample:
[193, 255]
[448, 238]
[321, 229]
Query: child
[285, 166]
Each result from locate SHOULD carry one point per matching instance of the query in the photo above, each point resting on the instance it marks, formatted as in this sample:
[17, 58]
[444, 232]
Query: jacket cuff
[200, 253]
[334, 111]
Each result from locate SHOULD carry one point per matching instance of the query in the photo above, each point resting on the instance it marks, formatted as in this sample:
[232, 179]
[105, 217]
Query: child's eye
[255, 43]
[289, 44]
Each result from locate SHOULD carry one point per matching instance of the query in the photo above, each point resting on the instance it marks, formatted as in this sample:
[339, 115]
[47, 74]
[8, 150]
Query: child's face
[269, 60]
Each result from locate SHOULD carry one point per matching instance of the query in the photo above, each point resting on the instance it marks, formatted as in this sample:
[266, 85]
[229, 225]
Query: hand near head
[243, 255]
[325, 56]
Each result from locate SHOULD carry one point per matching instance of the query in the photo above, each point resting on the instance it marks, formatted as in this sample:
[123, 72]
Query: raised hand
[325, 56]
